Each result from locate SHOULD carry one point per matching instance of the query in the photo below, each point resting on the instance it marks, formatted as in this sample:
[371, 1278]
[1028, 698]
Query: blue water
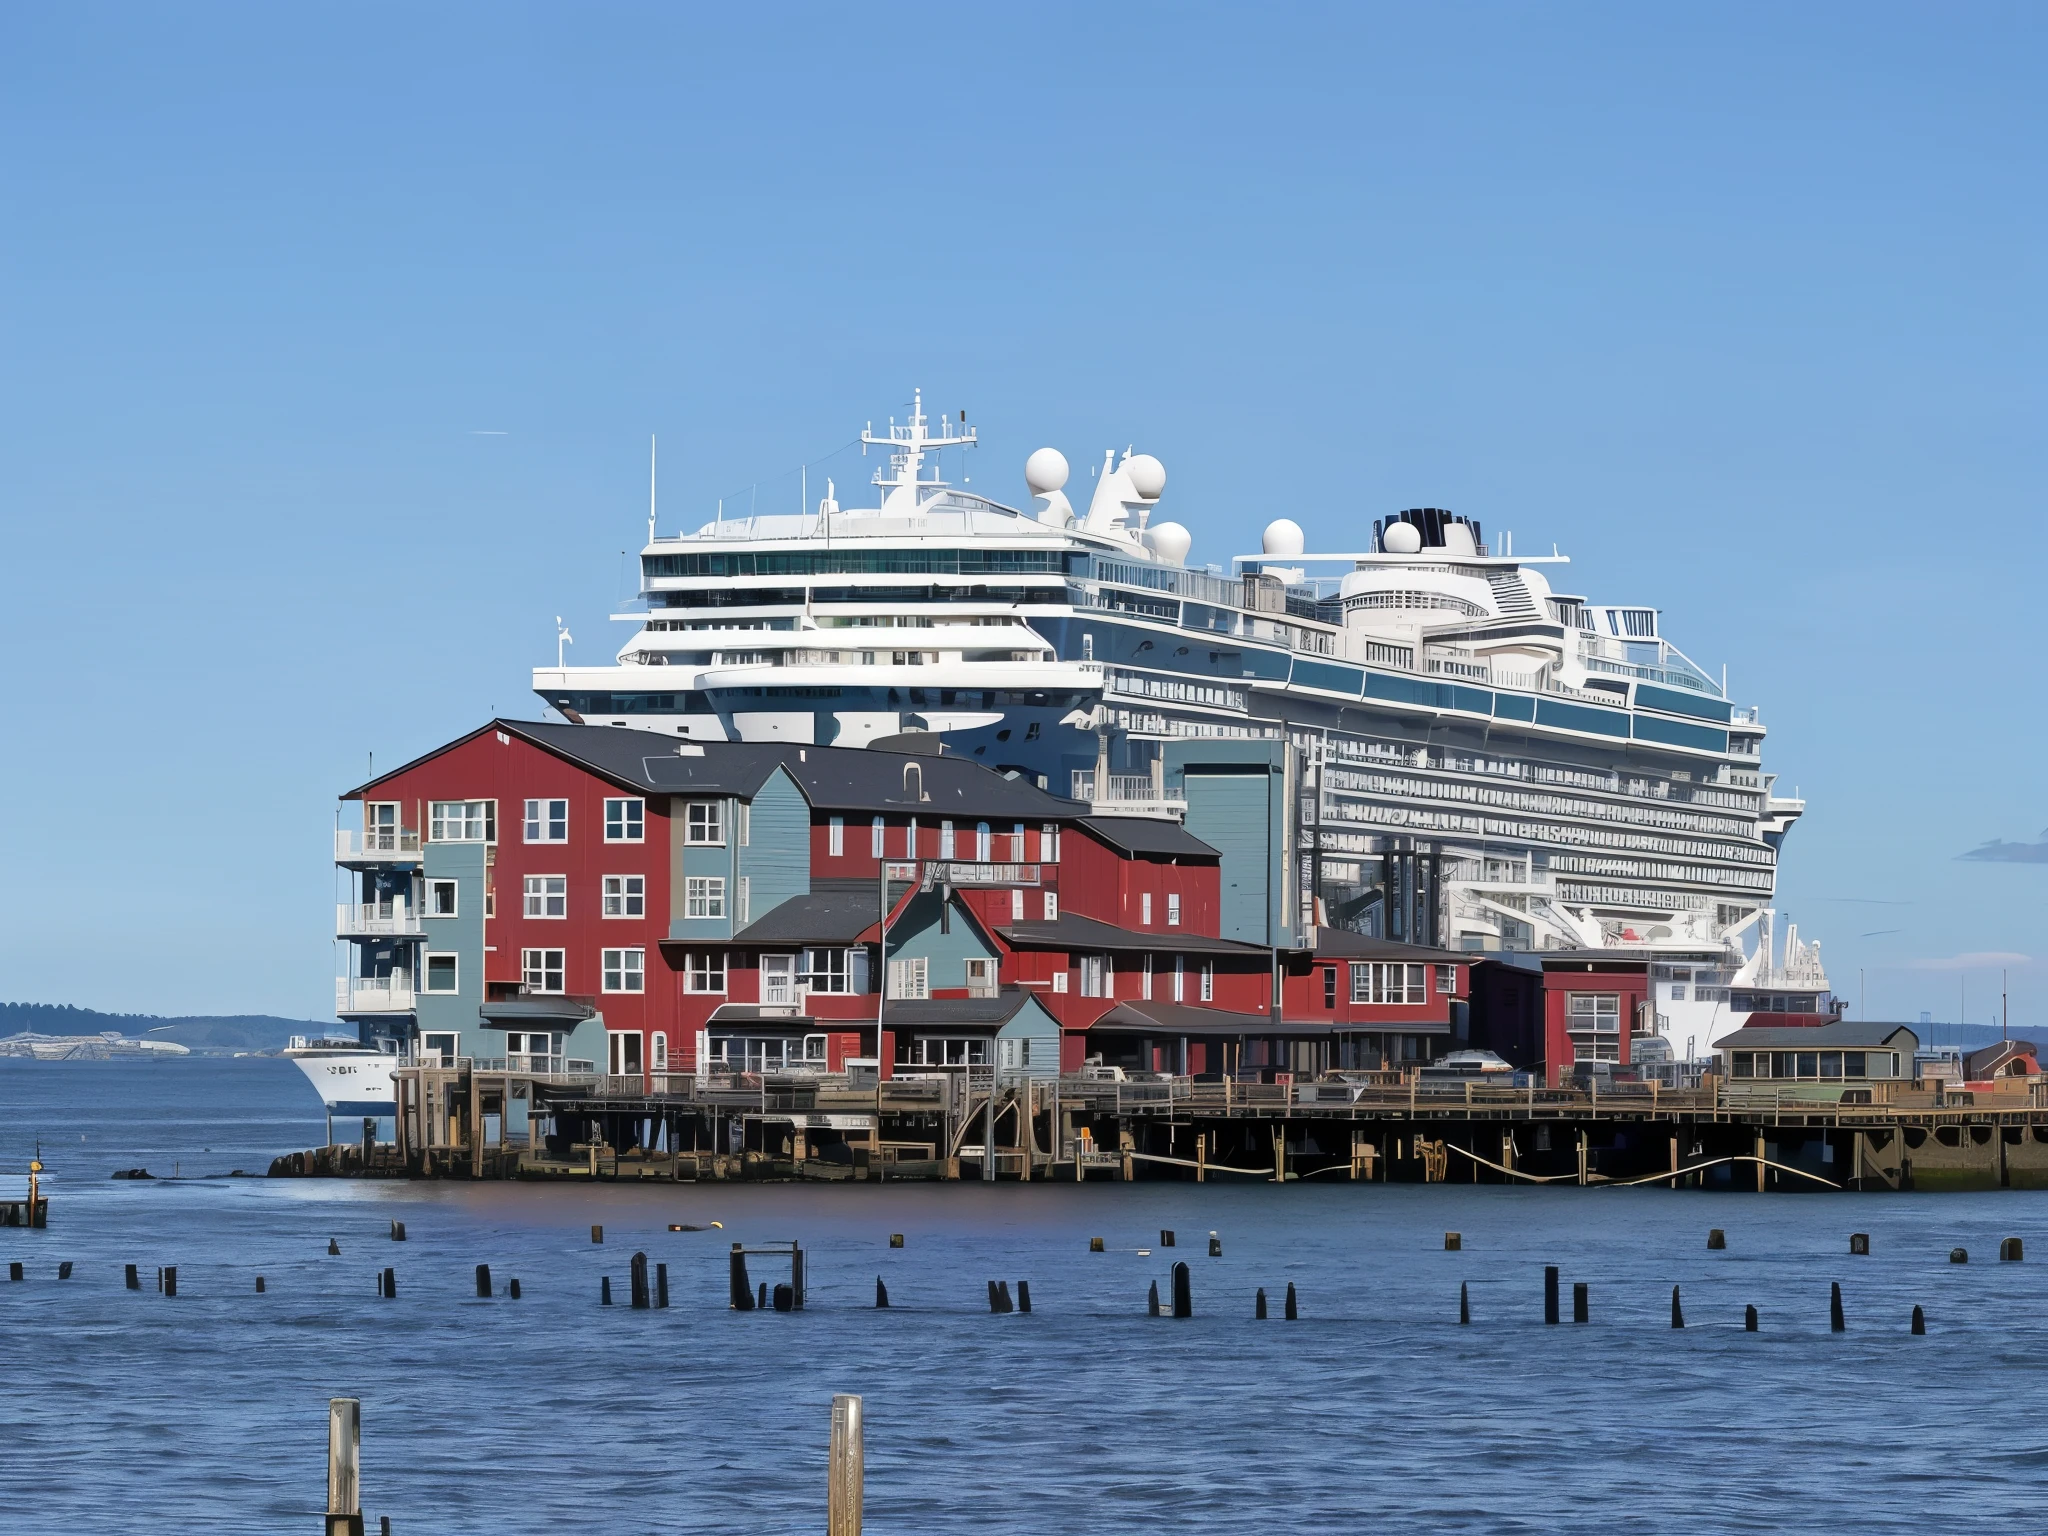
[207, 1412]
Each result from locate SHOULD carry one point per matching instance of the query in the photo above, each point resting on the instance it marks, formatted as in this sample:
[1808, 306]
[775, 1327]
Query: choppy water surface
[1374, 1411]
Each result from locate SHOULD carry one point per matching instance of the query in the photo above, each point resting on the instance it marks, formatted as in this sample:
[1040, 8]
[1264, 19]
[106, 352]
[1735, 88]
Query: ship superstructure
[1482, 759]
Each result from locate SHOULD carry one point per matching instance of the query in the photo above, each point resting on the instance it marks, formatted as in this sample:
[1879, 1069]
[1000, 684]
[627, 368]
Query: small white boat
[353, 1079]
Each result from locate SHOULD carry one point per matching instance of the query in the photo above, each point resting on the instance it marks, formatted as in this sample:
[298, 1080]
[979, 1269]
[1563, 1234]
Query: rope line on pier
[1654, 1178]
[1184, 1162]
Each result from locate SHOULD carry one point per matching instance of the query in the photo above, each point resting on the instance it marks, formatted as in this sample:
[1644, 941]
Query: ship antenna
[562, 638]
[650, 487]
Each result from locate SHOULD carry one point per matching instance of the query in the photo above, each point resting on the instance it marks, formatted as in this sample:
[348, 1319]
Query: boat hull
[352, 1082]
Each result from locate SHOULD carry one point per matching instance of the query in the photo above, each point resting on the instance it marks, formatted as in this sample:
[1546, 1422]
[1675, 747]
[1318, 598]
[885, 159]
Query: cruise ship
[1484, 758]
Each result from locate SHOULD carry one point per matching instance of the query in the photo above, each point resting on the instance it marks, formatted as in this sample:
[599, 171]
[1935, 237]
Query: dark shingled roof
[1856, 1034]
[1149, 835]
[1154, 1018]
[831, 778]
[831, 916]
[1341, 944]
[986, 1012]
[1069, 932]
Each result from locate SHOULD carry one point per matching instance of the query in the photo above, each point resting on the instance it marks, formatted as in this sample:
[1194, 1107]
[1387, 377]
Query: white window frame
[1049, 843]
[704, 824]
[838, 980]
[1208, 981]
[540, 820]
[877, 831]
[621, 893]
[1092, 968]
[657, 1040]
[1172, 909]
[1145, 909]
[622, 970]
[1016, 905]
[1592, 1013]
[982, 976]
[529, 966]
[1180, 978]
[1389, 983]
[479, 815]
[1145, 987]
[454, 889]
[536, 896]
[1017, 841]
[910, 978]
[1051, 906]
[835, 837]
[704, 897]
[632, 819]
[701, 969]
[427, 972]
[946, 840]
[1059, 980]
[910, 839]
[984, 843]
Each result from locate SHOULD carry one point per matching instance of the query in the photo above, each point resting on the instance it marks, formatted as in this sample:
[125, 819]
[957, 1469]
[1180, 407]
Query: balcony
[1127, 794]
[375, 850]
[355, 995]
[377, 920]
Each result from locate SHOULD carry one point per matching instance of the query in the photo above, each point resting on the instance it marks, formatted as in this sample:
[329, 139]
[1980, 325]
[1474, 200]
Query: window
[945, 839]
[704, 823]
[625, 895]
[1017, 842]
[1145, 909]
[910, 978]
[1092, 969]
[660, 1043]
[743, 813]
[910, 833]
[1016, 906]
[1180, 978]
[1830, 1063]
[1678, 992]
[380, 826]
[1593, 1012]
[1446, 978]
[1208, 981]
[746, 899]
[441, 1048]
[1049, 843]
[1172, 910]
[948, 1051]
[984, 849]
[547, 895]
[1744, 1064]
[1329, 986]
[1145, 986]
[704, 896]
[542, 969]
[704, 973]
[875, 833]
[442, 973]
[1059, 981]
[1051, 906]
[1394, 983]
[441, 898]
[625, 821]
[1853, 1064]
[623, 1059]
[625, 970]
[462, 821]
[981, 977]
[825, 971]
[547, 821]
[835, 836]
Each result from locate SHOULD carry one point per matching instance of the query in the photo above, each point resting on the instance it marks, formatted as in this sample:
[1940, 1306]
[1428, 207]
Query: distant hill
[205, 1032]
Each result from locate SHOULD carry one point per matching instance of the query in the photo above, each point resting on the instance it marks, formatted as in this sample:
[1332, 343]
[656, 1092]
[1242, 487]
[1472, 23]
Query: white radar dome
[1401, 539]
[1283, 537]
[1045, 470]
[1147, 474]
[1170, 542]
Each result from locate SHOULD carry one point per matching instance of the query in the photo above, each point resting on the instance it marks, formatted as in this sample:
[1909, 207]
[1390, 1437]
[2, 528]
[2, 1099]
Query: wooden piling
[15, 1270]
[1550, 1293]
[1165, 1238]
[604, 1290]
[390, 1284]
[132, 1278]
[1464, 1304]
[1959, 1255]
[344, 1466]
[1023, 1295]
[1215, 1246]
[512, 1288]
[1677, 1313]
[881, 1293]
[1454, 1242]
[640, 1298]
[64, 1270]
[1859, 1242]
[739, 1289]
[1293, 1312]
[2010, 1250]
[1259, 1306]
[398, 1231]
[895, 1239]
[846, 1472]
[483, 1282]
[1095, 1245]
[333, 1248]
[596, 1233]
[995, 1302]
[259, 1285]
[170, 1279]
[1152, 1300]
[1919, 1320]
[661, 1287]
[1716, 1239]
[1749, 1319]
[1202, 1158]
[785, 1298]
[1836, 1323]
[1582, 1307]
[761, 1296]
[1759, 1161]
[1183, 1292]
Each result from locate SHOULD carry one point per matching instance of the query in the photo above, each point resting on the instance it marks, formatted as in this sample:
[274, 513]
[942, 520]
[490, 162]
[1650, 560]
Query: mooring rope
[1654, 1178]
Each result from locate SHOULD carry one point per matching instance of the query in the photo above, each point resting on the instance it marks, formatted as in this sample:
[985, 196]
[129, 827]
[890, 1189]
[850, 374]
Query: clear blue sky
[1740, 306]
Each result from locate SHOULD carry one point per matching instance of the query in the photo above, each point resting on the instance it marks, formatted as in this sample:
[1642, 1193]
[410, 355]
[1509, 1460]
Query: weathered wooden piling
[1183, 1292]
[1293, 1308]
[761, 1296]
[1716, 1239]
[995, 1302]
[1859, 1243]
[1259, 1306]
[1152, 1300]
[333, 1247]
[132, 1277]
[1215, 1246]
[2010, 1250]
[1582, 1303]
[1454, 1242]
[739, 1289]
[512, 1288]
[259, 1285]
[785, 1297]
[398, 1231]
[1023, 1295]
[1919, 1320]
[1749, 1319]
[64, 1270]
[1095, 1245]
[170, 1279]
[344, 1466]
[1464, 1304]
[604, 1290]
[390, 1283]
[661, 1287]
[846, 1472]
[1959, 1255]
[1836, 1322]
[483, 1282]
[596, 1233]
[641, 1298]
[15, 1270]
[1677, 1312]
[881, 1293]
[1165, 1238]
[1550, 1293]
[895, 1239]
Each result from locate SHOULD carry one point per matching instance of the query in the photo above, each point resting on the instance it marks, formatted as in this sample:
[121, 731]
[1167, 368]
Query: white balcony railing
[377, 920]
[373, 994]
[357, 847]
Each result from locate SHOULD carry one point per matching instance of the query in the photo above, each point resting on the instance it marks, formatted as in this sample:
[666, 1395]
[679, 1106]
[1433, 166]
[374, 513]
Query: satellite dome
[1401, 539]
[1284, 537]
[1045, 470]
[1147, 475]
[1170, 542]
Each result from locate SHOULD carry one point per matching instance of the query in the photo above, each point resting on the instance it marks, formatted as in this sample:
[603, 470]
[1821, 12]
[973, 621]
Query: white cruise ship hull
[351, 1083]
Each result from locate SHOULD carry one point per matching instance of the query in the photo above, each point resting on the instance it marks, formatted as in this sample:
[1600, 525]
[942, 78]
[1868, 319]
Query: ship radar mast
[907, 445]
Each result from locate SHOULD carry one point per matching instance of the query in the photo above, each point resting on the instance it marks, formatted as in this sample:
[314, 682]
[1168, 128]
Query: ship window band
[625, 821]
[704, 824]
[705, 973]
[443, 973]
[547, 896]
[625, 895]
[462, 821]
[704, 896]
[1395, 983]
[542, 970]
[547, 821]
[625, 970]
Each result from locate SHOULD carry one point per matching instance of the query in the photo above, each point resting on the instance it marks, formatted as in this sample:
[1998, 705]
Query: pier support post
[344, 1466]
[1280, 1154]
[1550, 1293]
[1183, 1292]
[1464, 1303]
[847, 1473]
[1749, 1319]
[483, 1282]
[1759, 1160]
[1202, 1159]
[1836, 1323]
[1582, 1307]
[740, 1291]
[641, 1300]
[661, 1287]
[1583, 1156]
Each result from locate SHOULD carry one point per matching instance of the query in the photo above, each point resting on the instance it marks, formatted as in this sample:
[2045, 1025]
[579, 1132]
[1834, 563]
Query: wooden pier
[464, 1119]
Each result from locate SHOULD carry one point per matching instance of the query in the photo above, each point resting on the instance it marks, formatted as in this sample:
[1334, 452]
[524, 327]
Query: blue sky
[1740, 306]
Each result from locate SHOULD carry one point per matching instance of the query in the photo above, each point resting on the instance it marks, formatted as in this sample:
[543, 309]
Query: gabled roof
[1855, 1034]
[1155, 1018]
[833, 916]
[983, 1012]
[1149, 835]
[1342, 944]
[1069, 932]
